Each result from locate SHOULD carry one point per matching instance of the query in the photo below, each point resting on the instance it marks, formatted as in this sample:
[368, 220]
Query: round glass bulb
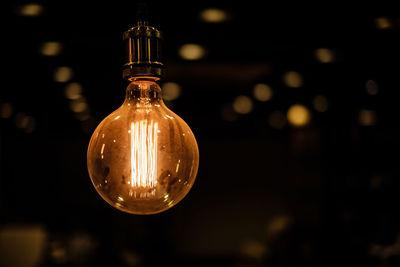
[143, 158]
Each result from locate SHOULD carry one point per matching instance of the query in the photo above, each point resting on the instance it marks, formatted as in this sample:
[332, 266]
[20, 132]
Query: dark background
[326, 194]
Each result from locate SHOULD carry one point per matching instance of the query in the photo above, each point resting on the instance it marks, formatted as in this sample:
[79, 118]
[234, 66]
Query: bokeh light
[277, 120]
[371, 87]
[367, 117]
[171, 91]
[242, 104]
[254, 250]
[84, 115]
[262, 92]
[298, 115]
[278, 224]
[320, 103]
[50, 48]
[31, 10]
[213, 15]
[324, 55]
[27, 240]
[73, 91]
[293, 79]
[21, 120]
[6, 110]
[63, 74]
[383, 23]
[78, 105]
[31, 125]
[191, 51]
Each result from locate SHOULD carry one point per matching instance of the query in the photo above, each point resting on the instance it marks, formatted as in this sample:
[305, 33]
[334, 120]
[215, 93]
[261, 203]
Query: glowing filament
[144, 154]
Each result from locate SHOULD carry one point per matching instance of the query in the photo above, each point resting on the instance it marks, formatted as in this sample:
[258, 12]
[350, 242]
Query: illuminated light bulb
[143, 158]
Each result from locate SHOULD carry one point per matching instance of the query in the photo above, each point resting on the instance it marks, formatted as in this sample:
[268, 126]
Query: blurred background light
[83, 116]
[22, 246]
[320, 103]
[277, 120]
[254, 250]
[293, 79]
[30, 125]
[21, 120]
[50, 48]
[191, 51]
[367, 117]
[63, 74]
[278, 224]
[262, 92]
[170, 91]
[324, 55]
[213, 15]
[371, 87]
[242, 105]
[383, 23]
[73, 91]
[6, 110]
[58, 252]
[31, 10]
[78, 105]
[25, 122]
[298, 115]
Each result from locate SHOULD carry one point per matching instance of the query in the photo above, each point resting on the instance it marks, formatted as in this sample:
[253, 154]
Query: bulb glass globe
[143, 158]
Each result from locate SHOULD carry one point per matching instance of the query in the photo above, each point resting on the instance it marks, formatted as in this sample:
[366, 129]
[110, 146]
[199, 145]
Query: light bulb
[142, 158]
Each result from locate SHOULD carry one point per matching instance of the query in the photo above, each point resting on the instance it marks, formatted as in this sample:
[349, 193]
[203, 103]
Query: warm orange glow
[144, 154]
[63, 74]
[191, 51]
[6, 110]
[367, 117]
[298, 115]
[383, 23]
[213, 15]
[171, 91]
[73, 91]
[142, 158]
[262, 92]
[242, 104]
[293, 79]
[31, 10]
[324, 55]
[51, 48]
